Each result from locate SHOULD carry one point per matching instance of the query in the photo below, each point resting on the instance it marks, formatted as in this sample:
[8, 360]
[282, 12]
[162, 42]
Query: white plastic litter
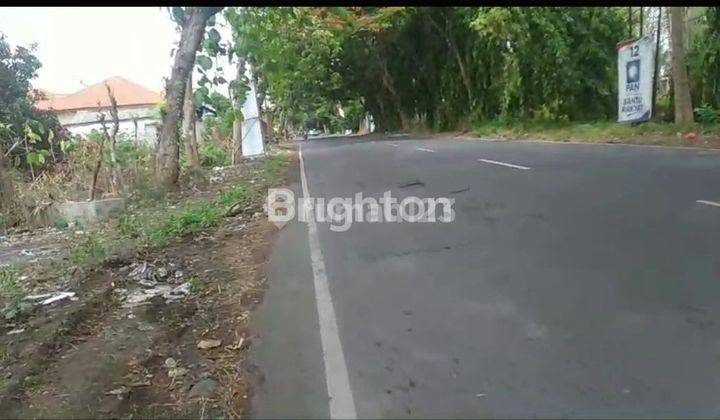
[49, 298]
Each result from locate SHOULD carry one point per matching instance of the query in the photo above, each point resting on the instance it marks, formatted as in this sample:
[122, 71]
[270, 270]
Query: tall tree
[681, 85]
[189, 127]
[238, 99]
[704, 59]
[19, 119]
[7, 188]
[193, 21]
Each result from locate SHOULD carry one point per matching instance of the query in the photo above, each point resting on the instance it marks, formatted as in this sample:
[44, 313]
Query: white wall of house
[82, 122]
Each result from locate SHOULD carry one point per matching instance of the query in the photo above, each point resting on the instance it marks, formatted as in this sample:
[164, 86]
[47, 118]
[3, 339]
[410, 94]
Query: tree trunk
[236, 156]
[193, 29]
[683, 102]
[464, 74]
[98, 161]
[189, 131]
[7, 188]
[389, 84]
[112, 136]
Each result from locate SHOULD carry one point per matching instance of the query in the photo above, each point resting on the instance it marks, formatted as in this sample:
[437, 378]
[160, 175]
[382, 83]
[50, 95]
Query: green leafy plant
[196, 284]
[12, 294]
[190, 218]
[706, 114]
[237, 194]
[60, 224]
[89, 252]
[129, 225]
[212, 155]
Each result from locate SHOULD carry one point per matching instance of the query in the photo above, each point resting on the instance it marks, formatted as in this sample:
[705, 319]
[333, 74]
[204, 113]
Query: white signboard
[636, 63]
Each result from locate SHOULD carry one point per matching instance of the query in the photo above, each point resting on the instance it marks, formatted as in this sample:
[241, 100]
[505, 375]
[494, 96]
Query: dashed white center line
[709, 203]
[510, 165]
[422, 149]
[393, 145]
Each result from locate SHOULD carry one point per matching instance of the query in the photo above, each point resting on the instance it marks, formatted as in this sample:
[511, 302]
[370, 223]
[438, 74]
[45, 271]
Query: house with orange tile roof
[80, 112]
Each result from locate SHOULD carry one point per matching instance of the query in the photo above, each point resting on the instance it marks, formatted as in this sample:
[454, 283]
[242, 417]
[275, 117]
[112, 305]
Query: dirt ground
[105, 355]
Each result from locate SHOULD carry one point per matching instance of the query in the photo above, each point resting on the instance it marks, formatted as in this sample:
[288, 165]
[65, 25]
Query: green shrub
[196, 284]
[274, 166]
[12, 294]
[191, 218]
[89, 252]
[60, 224]
[212, 155]
[233, 195]
[706, 114]
[129, 226]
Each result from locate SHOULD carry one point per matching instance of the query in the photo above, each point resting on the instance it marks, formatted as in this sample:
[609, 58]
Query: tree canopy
[439, 67]
[24, 131]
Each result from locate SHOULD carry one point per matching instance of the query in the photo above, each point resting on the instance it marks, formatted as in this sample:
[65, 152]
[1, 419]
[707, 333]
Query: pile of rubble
[167, 282]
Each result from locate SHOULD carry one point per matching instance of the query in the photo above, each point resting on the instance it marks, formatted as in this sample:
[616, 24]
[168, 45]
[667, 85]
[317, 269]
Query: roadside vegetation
[650, 133]
[547, 72]
[177, 270]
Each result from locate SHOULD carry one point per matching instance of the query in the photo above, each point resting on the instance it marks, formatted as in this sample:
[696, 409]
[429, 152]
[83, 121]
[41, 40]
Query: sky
[82, 46]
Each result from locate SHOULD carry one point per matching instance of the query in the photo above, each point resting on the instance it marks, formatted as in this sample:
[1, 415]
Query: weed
[212, 155]
[12, 293]
[191, 218]
[89, 252]
[5, 353]
[274, 166]
[129, 226]
[32, 382]
[233, 195]
[61, 224]
[707, 114]
[196, 284]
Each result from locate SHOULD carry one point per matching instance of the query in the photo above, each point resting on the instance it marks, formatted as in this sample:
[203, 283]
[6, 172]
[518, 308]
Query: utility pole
[630, 28]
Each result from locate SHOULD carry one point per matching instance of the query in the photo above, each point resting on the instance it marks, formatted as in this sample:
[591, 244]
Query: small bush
[706, 114]
[191, 218]
[90, 252]
[212, 155]
[12, 294]
[233, 195]
[196, 284]
[275, 166]
[129, 226]
[60, 224]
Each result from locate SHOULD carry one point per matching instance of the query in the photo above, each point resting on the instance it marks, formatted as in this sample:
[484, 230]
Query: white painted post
[252, 137]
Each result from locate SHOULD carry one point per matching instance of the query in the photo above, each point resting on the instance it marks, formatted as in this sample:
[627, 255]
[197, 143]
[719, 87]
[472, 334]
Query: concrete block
[88, 212]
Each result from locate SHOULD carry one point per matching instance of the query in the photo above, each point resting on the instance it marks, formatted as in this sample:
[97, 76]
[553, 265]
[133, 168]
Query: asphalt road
[587, 285]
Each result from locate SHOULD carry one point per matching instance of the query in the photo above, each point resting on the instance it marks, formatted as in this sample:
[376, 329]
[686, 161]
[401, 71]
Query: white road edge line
[503, 164]
[709, 203]
[393, 145]
[422, 149]
[342, 404]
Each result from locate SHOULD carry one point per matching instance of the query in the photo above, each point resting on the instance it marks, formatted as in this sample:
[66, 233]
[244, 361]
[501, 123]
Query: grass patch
[155, 224]
[237, 194]
[275, 166]
[12, 294]
[651, 132]
[89, 252]
[196, 284]
[191, 217]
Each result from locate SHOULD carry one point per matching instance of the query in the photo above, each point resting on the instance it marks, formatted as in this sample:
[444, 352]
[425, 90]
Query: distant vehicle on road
[314, 132]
